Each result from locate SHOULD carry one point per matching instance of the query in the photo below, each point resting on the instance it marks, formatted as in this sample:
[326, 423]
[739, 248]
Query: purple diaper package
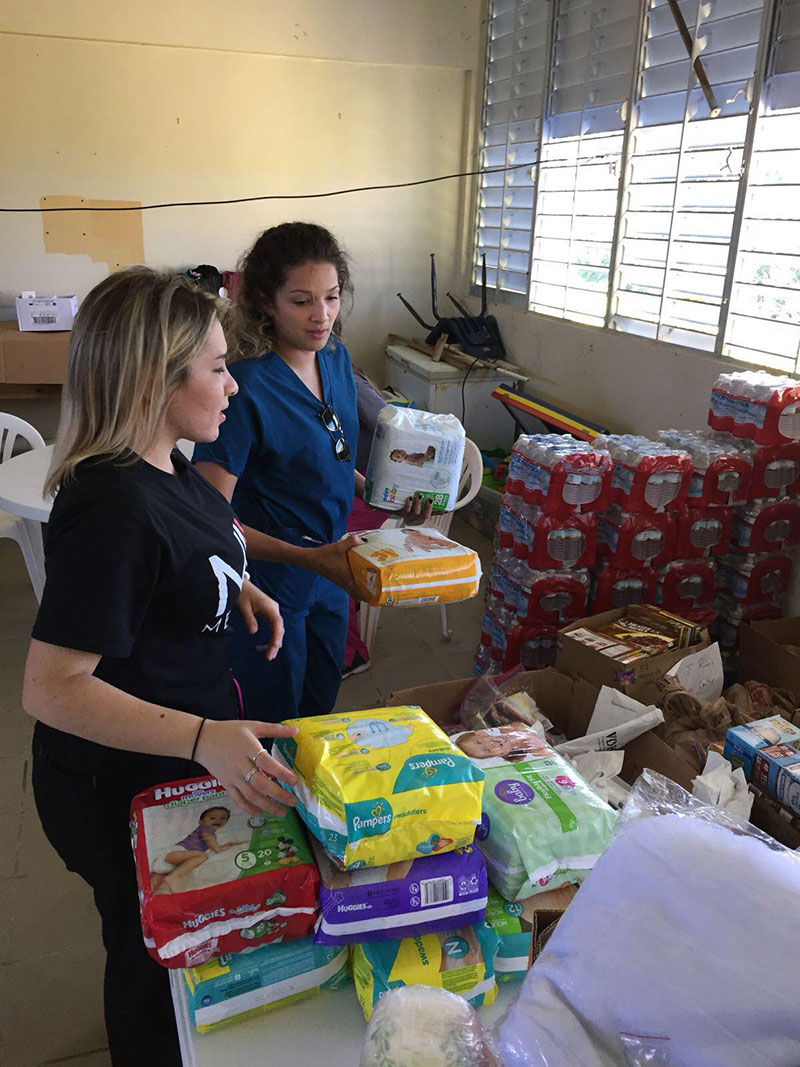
[420, 896]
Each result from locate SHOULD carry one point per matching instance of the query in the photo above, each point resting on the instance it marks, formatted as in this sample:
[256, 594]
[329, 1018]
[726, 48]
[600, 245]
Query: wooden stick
[699, 69]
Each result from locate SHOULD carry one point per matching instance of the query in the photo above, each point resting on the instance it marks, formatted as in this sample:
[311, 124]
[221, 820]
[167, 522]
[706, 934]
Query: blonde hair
[131, 346]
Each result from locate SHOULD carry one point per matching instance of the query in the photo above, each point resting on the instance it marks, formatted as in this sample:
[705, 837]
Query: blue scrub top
[290, 483]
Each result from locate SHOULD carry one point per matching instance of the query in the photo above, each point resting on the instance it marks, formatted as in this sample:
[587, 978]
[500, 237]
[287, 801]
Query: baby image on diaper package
[460, 961]
[382, 786]
[542, 825]
[213, 879]
[414, 452]
[413, 565]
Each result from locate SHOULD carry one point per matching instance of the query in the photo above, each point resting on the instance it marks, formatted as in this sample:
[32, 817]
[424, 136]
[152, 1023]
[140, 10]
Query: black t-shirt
[143, 568]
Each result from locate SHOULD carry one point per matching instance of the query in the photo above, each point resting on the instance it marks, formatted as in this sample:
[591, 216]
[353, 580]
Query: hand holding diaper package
[413, 565]
[542, 824]
[213, 879]
[460, 961]
[403, 899]
[242, 984]
[382, 786]
[414, 452]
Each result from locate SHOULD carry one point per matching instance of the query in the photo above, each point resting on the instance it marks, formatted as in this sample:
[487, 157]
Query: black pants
[86, 820]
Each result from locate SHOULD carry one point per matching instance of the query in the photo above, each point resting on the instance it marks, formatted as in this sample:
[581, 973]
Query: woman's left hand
[252, 602]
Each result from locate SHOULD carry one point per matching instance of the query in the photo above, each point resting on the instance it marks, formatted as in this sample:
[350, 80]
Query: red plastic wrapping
[684, 585]
[556, 597]
[752, 578]
[260, 884]
[560, 542]
[560, 473]
[766, 526]
[614, 587]
[731, 615]
[702, 531]
[725, 481]
[534, 645]
[776, 471]
[633, 541]
[757, 405]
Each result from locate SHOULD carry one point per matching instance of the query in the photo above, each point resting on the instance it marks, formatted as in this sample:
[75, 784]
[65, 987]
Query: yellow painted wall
[183, 101]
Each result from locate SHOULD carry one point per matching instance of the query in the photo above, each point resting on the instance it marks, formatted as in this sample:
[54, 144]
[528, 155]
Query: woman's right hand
[231, 749]
[331, 562]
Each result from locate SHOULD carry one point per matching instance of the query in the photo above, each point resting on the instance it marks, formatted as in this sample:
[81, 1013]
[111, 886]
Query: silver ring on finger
[249, 776]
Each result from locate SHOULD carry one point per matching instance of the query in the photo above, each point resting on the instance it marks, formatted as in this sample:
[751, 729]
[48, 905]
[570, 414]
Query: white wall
[184, 100]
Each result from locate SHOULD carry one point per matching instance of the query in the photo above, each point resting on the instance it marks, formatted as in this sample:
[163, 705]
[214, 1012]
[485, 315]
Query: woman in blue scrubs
[285, 459]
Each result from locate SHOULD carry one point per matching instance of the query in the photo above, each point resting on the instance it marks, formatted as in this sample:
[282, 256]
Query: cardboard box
[636, 679]
[763, 657]
[32, 358]
[42, 314]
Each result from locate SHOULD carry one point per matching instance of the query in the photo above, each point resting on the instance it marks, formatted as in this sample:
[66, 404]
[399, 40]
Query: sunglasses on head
[330, 420]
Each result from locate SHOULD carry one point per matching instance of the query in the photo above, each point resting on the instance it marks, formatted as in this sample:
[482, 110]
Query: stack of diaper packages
[394, 805]
[231, 897]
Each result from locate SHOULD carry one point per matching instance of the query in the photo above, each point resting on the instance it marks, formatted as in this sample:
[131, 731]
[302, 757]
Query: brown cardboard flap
[763, 657]
[32, 358]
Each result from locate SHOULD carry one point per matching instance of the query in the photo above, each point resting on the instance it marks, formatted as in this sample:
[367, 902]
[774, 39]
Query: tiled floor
[51, 959]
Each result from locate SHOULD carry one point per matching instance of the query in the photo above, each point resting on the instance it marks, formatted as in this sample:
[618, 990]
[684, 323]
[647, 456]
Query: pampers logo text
[368, 818]
[428, 766]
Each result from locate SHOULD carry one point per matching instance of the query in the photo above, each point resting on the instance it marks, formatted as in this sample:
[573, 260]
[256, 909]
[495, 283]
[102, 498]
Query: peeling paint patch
[112, 237]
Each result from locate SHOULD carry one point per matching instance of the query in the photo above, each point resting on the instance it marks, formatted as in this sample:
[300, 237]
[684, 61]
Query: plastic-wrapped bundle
[766, 525]
[703, 531]
[722, 471]
[776, 468]
[560, 542]
[648, 475]
[614, 587]
[752, 577]
[532, 644]
[732, 613]
[560, 472]
[756, 404]
[554, 596]
[685, 585]
[632, 540]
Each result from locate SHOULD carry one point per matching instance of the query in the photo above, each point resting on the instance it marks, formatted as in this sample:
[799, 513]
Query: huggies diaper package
[460, 961]
[413, 897]
[239, 985]
[542, 824]
[413, 565]
[213, 879]
[414, 452]
[382, 786]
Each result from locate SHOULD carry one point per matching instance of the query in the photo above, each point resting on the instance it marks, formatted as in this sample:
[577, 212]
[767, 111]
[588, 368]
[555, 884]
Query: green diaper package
[542, 825]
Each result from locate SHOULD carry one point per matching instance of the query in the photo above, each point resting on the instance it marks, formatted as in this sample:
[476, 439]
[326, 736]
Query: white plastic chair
[468, 486]
[26, 532]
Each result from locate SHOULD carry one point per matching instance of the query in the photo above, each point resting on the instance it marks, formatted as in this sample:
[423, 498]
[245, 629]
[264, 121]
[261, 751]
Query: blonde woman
[127, 673]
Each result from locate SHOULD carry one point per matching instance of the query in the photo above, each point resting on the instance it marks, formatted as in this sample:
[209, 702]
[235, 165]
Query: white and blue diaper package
[242, 984]
[417, 896]
[768, 751]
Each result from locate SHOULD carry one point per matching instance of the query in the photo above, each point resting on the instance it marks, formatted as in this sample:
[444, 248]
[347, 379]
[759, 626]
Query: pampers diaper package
[413, 565]
[382, 786]
[414, 452]
[242, 984]
[213, 879]
[412, 897]
[460, 961]
[542, 824]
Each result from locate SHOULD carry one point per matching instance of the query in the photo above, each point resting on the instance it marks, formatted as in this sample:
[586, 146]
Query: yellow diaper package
[460, 961]
[382, 786]
[413, 565]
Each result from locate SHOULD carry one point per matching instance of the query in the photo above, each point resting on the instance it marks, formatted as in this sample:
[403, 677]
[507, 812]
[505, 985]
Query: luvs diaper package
[414, 452]
[521, 926]
[239, 985]
[460, 961]
[382, 786]
[542, 824]
[412, 897]
[213, 879]
[413, 565]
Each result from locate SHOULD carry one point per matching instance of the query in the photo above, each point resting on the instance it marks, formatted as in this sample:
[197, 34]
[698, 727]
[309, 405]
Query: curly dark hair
[263, 270]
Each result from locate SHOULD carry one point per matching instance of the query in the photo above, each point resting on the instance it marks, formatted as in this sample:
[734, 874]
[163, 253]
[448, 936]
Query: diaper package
[769, 753]
[413, 565]
[414, 452]
[382, 786]
[239, 985]
[213, 879]
[518, 922]
[542, 825]
[460, 961]
[403, 899]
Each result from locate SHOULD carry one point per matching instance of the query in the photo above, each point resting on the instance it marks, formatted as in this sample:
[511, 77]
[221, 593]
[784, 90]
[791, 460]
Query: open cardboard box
[764, 657]
[636, 679]
[568, 703]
